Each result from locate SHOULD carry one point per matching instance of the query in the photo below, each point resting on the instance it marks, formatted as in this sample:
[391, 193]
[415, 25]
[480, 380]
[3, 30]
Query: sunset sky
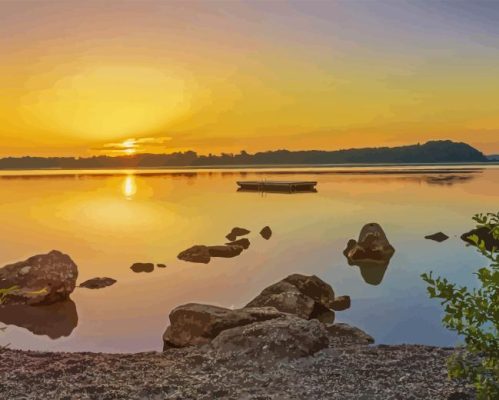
[118, 77]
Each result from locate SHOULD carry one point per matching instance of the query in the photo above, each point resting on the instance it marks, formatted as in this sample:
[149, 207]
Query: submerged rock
[232, 236]
[484, 235]
[161, 265]
[266, 233]
[41, 279]
[305, 296]
[437, 237]
[98, 283]
[288, 337]
[142, 267]
[196, 254]
[244, 243]
[224, 251]
[372, 246]
[341, 303]
[194, 324]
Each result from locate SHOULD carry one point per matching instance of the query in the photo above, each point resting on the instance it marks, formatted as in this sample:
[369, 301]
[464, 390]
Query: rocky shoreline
[340, 371]
[284, 344]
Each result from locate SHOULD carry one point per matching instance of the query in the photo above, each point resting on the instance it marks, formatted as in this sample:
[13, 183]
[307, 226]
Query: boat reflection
[55, 320]
[372, 273]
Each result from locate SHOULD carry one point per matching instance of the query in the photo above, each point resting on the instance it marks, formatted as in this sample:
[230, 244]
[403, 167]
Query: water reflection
[55, 320]
[372, 273]
[129, 187]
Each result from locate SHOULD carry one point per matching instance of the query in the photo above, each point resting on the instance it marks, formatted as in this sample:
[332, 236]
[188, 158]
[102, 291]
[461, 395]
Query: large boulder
[41, 279]
[195, 324]
[484, 235]
[313, 287]
[287, 337]
[286, 298]
[305, 296]
[372, 246]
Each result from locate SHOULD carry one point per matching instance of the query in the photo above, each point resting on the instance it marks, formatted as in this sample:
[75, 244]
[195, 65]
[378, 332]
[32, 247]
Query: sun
[129, 146]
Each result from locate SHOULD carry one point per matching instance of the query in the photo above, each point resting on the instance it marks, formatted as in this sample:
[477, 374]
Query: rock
[288, 299]
[53, 320]
[41, 279]
[437, 237]
[224, 251]
[266, 233]
[197, 254]
[194, 324]
[98, 283]
[289, 337]
[244, 243]
[484, 235]
[372, 246]
[341, 303]
[232, 236]
[161, 265]
[142, 267]
[313, 287]
[305, 296]
[344, 333]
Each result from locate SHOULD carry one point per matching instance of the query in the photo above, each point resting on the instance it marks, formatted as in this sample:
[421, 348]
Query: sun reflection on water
[129, 187]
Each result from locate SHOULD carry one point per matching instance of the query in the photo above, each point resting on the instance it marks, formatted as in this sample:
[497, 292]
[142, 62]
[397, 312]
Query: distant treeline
[430, 152]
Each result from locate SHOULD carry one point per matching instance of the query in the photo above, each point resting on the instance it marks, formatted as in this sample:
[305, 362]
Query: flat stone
[98, 283]
[266, 233]
[235, 232]
[142, 267]
[196, 254]
[244, 243]
[225, 251]
[437, 237]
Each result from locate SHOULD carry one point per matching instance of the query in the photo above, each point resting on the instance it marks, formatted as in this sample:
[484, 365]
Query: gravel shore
[341, 371]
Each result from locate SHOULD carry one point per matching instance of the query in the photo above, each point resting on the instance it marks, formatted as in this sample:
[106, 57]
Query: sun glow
[129, 187]
[105, 102]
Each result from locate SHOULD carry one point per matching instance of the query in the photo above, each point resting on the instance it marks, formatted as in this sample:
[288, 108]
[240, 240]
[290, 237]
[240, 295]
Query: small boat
[277, 186]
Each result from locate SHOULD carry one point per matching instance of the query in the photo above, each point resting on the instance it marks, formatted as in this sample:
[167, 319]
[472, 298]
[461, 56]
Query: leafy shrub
[474, 314]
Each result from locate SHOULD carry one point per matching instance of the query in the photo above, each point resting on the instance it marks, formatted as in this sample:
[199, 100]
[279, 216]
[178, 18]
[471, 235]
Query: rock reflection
[372, 273]
[55, 320]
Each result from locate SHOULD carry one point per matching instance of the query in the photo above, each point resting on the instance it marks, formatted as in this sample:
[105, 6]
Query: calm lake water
[108, 220]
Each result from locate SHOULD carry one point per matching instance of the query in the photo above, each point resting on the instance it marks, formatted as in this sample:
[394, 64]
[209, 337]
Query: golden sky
[94, 77]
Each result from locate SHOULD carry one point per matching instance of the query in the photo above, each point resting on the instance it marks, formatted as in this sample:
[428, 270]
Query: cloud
[133, 145]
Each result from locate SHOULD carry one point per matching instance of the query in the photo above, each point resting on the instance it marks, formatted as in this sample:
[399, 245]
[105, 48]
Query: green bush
[474, 314]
